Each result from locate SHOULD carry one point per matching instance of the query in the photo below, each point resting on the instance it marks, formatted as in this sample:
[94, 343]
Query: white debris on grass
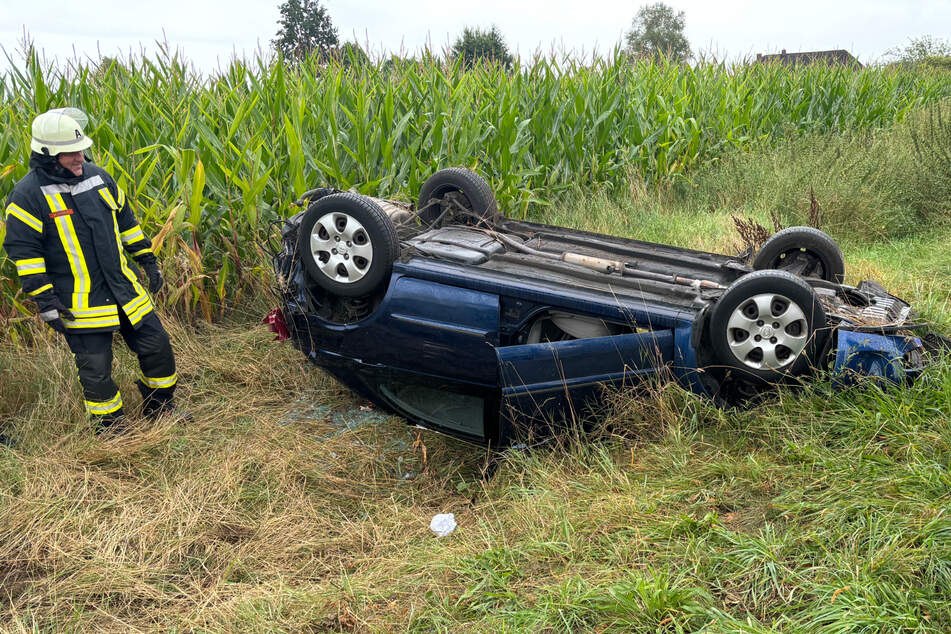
[443, 524]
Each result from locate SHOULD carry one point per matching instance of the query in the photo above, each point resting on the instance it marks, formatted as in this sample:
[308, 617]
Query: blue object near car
[488, 328]
[863, 354]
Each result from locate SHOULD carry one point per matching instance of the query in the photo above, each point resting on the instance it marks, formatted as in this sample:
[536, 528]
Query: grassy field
[287, 507]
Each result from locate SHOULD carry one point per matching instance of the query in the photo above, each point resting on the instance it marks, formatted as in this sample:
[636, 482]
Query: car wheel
[347, 244]
[803, 251]
[767, 325]
[472, 191]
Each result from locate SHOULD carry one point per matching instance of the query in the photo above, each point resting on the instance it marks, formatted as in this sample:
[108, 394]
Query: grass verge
[285, 506]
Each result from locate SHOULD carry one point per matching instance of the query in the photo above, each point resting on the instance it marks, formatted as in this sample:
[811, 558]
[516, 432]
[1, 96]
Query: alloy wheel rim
[341, 247]
[768, 331]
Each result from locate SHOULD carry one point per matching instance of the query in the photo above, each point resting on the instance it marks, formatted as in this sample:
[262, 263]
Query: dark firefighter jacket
[71, 239]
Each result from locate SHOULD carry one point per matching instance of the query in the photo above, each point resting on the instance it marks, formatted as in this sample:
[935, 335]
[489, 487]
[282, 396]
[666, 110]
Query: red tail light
[277, 324]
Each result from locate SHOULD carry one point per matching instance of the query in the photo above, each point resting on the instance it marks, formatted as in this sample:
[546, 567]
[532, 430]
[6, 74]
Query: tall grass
[284, 507]
[210, 160]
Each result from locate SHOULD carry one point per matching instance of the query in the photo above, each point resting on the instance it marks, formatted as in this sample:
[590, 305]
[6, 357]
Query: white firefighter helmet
[56, 131]
[75, 114]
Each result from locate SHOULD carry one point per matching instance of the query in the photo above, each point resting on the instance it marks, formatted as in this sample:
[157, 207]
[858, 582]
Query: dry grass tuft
[266, 497]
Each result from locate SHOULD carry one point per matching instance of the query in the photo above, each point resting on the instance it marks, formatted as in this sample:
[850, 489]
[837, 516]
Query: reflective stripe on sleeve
[142, 252]
[132, 235]
[101, 408]
[135, 304]
[25, 217]
[121, 200]
[45, 287]
[31, 266]
[160, 382]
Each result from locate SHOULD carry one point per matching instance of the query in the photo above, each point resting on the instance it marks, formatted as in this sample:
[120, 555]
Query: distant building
[838, 57]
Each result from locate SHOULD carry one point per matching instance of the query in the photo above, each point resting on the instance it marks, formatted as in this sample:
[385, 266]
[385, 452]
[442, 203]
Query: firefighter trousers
[150, 343]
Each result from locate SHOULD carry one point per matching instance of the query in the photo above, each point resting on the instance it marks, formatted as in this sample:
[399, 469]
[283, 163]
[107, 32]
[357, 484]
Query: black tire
[476, 194]
[803, 251]
[348, 268]
[793, 342]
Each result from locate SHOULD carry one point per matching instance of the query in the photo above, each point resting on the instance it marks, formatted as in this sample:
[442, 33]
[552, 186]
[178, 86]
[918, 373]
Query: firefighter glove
[155, 277]
[52, 311]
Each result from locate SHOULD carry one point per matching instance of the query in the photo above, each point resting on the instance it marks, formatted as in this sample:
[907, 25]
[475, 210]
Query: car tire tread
[380, 229]
[817, 242]
[475, 189]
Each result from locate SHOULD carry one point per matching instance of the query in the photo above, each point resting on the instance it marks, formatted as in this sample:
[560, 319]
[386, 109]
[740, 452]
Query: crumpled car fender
[863, 354]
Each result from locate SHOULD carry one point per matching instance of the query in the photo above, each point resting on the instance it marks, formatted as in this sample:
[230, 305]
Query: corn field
[209, 161]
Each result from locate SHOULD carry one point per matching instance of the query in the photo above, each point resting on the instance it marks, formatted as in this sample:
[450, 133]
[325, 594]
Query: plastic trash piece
[443, 524]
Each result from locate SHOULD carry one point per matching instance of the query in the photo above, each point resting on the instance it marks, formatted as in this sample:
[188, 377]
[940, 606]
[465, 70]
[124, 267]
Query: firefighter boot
[111, 423]
[159, 402]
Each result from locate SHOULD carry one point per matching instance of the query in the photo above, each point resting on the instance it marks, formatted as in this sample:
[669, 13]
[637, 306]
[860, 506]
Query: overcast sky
[209, 32]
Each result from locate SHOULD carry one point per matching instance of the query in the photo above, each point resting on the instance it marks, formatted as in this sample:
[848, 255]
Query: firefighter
[70, 231]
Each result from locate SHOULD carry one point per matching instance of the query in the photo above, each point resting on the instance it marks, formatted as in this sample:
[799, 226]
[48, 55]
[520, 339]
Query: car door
[543, 384]
[438, 343]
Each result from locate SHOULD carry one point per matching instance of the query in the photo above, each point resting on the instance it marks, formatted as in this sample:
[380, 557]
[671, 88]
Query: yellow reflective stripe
[107, 196]
[31, 266]
[137, 309]
[55, 201]
[74, 253]
[100, 408]
[100, 311]
[77, 263]
[139, 313]
[104, 322]
[135, 304]
[142, 252]
[45, 287]
[123, 263]
[165, 381]
[132, 235]
[121, 197]
[25, 217]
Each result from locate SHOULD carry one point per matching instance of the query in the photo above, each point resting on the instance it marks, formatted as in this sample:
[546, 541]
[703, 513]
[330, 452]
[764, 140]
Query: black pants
[93, 354]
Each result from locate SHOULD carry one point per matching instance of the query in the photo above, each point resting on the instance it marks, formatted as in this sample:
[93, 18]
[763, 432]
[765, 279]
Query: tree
[475, 45]
[926, 50]
[305, 28]
[658, 30]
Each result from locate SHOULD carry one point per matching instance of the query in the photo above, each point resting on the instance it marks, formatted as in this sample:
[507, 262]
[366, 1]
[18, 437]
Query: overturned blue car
[487, 328]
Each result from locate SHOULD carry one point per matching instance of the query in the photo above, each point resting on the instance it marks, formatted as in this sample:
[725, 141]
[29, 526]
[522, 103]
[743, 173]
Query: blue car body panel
[542, 381]
[862, 354]
[438, 327]
[430, 326]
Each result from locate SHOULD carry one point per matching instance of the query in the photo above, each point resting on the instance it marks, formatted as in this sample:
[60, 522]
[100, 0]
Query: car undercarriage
[481, 326]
